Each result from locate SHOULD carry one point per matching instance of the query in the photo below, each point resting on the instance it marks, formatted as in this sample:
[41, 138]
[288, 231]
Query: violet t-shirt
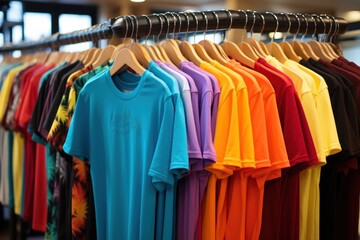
[205, 100]
[194, 96]
[193, 143]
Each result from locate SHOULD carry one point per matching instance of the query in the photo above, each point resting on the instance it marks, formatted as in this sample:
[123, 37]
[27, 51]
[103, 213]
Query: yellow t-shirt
[6, 88]
[310, 223]
[227, 146]
[18, 166]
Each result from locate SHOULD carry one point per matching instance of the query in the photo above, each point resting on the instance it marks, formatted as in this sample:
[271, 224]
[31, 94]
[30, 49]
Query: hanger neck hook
[335, 29]
[288, 30]
[253, 23]
[150, 27]
[263, 22]
[307, 26]
[230, 24]
[330, 27]
[315, 26]
[167, 24]
[206, 23]
[299, 24]
[132, 26]
[161, 26]
[175, 21]
[277, 25]
[197, 23]
[324, 24]
[217, 23]
[179, 18]
[246, 22]
[187, 24]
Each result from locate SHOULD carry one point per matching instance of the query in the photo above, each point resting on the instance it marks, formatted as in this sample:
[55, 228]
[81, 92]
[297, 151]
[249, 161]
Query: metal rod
[117, 27]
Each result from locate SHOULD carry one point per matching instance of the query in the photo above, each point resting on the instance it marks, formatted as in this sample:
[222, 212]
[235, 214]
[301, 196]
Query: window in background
[17, 34]
[73, 22]
[15, 12]
[37, 25]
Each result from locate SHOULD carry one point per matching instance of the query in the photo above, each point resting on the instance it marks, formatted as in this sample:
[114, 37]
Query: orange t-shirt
[227, 146]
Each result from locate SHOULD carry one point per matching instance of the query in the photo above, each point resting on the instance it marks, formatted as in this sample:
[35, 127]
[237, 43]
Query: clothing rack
[172, 22]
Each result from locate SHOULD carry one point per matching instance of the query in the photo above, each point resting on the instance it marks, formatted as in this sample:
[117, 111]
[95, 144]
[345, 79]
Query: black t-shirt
[55, 103]
[343, 117]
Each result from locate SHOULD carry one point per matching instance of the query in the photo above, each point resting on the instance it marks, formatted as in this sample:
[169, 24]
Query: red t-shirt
[281, 197]
[25, 112]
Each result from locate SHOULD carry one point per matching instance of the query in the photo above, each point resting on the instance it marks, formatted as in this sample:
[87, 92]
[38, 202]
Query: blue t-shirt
[127, 135]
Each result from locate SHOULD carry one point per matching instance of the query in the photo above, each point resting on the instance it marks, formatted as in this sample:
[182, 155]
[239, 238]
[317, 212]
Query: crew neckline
[126, 95]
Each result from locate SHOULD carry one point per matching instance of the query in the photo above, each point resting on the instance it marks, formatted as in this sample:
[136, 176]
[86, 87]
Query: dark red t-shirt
[281, 197]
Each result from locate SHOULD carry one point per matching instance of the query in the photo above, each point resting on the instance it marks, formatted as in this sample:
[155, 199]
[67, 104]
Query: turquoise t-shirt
[127, 135]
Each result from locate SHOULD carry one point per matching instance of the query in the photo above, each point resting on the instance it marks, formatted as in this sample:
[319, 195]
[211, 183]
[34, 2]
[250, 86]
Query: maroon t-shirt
[281, 196]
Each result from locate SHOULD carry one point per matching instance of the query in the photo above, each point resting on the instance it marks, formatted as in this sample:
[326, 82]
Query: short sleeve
[247, 152]
[226, 140]
[291, 126]
[160, 169]
[327, 124]
[77, 142]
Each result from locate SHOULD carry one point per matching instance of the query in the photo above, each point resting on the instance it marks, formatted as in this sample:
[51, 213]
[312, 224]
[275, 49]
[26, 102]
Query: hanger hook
[253, 23]
[197, 23]
[336, 29]
[288, 30]
[231, 22]
[167, 23]
[217, 23]
[150, 27]
[307, 26]
[323, 22]
[132, 26]
[277, 25]
[246, 22]
[315, 26]
[178, 16]
[175, 21]
[299, 24]
[206, 23]
[188, 24]
[263, 22]
[136, 26]
[161, 25]
[330, 28]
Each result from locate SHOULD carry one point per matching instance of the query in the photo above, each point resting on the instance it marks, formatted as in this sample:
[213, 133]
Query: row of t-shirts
[215, 151]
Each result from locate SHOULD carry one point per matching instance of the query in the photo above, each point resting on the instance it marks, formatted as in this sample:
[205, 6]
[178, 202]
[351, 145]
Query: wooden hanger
[289, 51]
[117, 49]
[309, 51]
[178, 52]
[126, 58]
[104, 56]
[202, 53]
[232, 50]
[248, 51]
[89, 55]
[277, 52]
[262, 51]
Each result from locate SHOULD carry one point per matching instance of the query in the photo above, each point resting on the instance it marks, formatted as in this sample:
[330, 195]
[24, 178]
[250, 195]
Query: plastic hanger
[274, 48]
[124, 59]
[187, 49]
[232, 50]
[139, 51]
[253, 42]
[286, 47]
[318, 48]
[209, 46]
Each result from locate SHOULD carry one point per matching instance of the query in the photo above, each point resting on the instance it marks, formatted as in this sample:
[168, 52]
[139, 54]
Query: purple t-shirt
[206, 96]
[194, 149]
[194, 96]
